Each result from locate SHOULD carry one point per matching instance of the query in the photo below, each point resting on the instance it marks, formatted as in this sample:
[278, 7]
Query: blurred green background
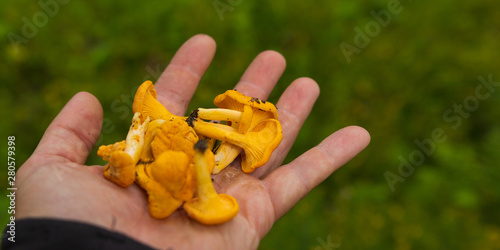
[399, 87]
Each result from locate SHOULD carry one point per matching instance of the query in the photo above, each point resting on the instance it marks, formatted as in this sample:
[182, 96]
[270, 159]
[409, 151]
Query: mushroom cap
[120, 169]
[146, 103]
[154, 109]
[174, 171]
[265, 139]
[235, 100]
[153, 128]
[174, 135]
[161, 202]
[144, 88]
[215, 211]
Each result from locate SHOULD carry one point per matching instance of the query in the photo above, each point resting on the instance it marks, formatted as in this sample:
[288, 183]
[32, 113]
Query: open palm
[54, 182]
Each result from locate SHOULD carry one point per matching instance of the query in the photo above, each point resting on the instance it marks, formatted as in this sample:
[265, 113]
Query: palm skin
[54, 183]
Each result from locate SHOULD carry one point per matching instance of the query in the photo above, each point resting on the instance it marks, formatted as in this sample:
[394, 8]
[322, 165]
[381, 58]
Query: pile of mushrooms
[171, 157]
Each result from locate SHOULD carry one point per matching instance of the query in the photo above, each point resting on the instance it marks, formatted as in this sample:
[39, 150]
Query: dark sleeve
[62, 234]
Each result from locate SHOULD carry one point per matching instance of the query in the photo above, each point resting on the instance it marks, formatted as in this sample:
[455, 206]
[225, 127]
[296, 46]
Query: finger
[290, 183]
[73, 132]
[178, 82]
[262, 75]
[294, 106]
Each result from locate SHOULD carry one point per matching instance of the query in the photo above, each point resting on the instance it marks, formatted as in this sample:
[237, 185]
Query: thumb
[72, 134]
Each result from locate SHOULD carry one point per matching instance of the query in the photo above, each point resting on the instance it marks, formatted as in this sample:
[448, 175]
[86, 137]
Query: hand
[54, 182]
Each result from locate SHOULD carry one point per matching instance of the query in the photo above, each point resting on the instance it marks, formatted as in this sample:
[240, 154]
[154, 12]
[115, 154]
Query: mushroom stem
[209, 207]
[220, 114]
[204, 186]
[121, 166]
[240, 121]
[217, 131]
[135, 137]
[193, 117]
[222, 127]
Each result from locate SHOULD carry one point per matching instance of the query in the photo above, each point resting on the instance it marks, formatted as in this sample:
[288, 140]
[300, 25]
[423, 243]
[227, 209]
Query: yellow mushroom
[105, 151]
[239, 121]
[121, 166]
[225, 155]
[211, 145]
[144, 88]
[209, 207]
[146, 103]
[169, 181]
[234, 100]
[234, 107]
[258, 144]
[175, 135]
[243, 113]
[153, 127]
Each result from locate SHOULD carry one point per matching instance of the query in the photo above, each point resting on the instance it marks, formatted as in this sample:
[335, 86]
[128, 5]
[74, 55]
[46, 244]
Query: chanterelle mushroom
[144, 88]
[235, 100]
[243, 113]
[122, 160]
[153, 128]
[105, 151]
[160, 153]
[257, 144]
[169, 181]
[209, 207]
[146, 103]
[175, 135]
